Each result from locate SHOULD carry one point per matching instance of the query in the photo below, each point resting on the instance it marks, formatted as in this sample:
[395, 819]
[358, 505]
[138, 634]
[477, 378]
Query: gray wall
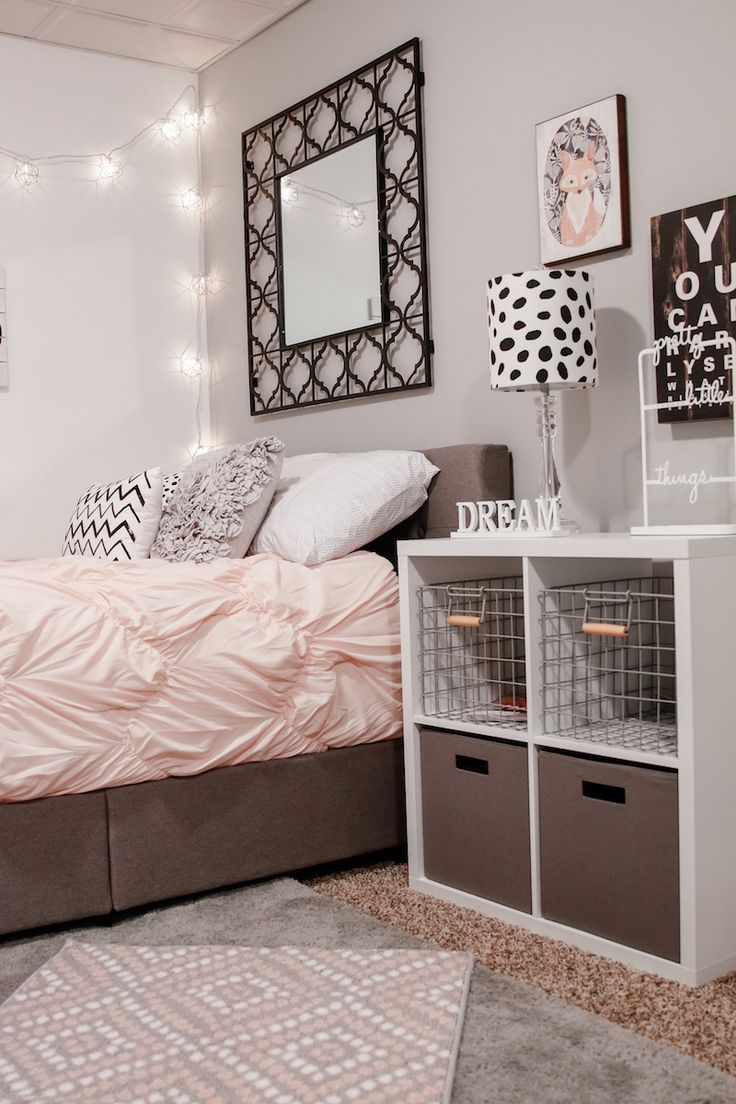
[494, 68]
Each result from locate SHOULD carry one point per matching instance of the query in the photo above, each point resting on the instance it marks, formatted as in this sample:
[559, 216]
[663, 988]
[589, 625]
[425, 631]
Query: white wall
[97, 274]
[493, 70]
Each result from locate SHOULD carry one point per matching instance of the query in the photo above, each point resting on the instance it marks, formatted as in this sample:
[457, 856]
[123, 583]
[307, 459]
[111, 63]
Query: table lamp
[541, 326]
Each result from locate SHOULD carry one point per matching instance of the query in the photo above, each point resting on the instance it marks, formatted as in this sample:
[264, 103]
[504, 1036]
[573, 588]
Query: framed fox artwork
[583, 183]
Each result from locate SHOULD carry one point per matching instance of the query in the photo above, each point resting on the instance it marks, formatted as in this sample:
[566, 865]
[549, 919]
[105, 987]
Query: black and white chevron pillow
[117, 522]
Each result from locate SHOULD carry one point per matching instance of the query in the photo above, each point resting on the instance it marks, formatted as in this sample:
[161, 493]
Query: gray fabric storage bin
[475, 812]
[609, 850]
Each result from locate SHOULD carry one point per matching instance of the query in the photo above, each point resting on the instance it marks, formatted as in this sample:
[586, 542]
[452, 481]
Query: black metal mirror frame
[390, 355]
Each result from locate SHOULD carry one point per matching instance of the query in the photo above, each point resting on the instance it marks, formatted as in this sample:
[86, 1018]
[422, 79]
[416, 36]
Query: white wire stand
[685, 529]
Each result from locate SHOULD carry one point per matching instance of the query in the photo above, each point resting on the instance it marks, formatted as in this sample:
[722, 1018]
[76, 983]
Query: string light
[190, 366]
[351, 212]
[191, 200]
[109, 168]
[26, 173]
[354, 217]
[193, 119]
[170, 128]
[202, 283]
[289, 192]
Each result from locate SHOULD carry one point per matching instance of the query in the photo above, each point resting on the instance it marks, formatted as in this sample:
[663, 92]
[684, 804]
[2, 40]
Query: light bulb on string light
[354, 217]
[170, 128]
[26, 173]
[190, 366]
[193, 119]
[202, 283]
[109, 168]
[289, 192]
[191, 200]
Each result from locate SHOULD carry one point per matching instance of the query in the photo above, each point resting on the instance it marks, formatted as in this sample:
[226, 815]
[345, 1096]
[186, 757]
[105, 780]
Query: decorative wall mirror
[335, 242]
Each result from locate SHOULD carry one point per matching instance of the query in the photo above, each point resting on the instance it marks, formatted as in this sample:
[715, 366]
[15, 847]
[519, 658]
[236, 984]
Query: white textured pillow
[214, 507]
[342, 503]
[293, 470]
[118, 521]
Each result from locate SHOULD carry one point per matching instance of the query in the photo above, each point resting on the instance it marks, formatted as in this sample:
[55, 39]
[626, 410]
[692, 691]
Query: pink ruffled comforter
[119, 673]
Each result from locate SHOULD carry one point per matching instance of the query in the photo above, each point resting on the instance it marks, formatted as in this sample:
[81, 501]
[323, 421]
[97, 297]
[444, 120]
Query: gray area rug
[518, 1046]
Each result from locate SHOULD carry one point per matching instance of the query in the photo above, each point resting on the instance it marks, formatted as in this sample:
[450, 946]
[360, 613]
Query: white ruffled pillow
[327, 505]
[214, 508]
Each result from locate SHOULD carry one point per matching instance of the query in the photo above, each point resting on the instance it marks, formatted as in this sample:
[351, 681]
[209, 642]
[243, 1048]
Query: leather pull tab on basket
[600, 628]
[464, 620]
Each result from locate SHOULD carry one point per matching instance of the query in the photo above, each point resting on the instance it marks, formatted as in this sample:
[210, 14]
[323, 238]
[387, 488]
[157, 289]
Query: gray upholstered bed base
[66, 858]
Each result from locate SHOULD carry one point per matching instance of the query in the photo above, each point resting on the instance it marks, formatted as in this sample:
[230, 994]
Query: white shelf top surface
[589, 545]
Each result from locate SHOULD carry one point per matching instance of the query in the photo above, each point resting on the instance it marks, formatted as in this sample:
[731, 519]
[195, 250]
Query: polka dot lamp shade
[542, 329]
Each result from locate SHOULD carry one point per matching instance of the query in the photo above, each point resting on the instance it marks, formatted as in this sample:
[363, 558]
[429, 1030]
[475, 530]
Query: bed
[64, 858]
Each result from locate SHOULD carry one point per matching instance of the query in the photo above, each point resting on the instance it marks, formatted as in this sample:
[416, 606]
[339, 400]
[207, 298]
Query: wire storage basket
[471, 652]
[608, 664]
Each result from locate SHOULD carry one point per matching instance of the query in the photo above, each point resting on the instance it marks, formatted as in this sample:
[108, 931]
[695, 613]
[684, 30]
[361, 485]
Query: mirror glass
[331, 269]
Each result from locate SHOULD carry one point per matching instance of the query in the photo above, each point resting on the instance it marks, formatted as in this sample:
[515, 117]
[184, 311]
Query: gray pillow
[216, 507]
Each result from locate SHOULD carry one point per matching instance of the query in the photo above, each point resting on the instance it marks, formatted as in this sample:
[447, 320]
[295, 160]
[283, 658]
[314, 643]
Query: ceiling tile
[21, 17]
[281, 5]
[274, 5]
[171, 47]
[155, 11]
[92, 32]
[186, 33]
[234, 21]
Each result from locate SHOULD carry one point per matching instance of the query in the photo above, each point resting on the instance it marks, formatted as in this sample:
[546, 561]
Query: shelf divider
[518, 734]
[607, 751]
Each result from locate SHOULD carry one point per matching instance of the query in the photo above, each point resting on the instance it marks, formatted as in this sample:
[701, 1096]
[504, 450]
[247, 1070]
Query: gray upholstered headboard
[467, 472]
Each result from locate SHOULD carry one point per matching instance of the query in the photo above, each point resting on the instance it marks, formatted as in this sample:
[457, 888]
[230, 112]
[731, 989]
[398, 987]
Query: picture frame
[583, 182]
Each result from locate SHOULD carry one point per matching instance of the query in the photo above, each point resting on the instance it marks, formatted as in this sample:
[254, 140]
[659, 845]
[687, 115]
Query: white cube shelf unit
[570, 739]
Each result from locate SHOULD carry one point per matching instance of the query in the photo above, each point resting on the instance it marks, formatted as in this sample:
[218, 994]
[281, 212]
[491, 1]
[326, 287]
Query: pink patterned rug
[213, 1025]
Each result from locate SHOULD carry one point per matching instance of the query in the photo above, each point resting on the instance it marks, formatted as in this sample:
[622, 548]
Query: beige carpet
[213, 1025]
[699, 1022]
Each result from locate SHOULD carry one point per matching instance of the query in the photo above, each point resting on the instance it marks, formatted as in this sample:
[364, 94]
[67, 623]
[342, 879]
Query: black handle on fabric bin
[599, 791]
[468, 763]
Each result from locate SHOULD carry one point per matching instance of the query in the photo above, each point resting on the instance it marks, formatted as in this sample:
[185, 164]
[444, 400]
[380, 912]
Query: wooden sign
[694, 293]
